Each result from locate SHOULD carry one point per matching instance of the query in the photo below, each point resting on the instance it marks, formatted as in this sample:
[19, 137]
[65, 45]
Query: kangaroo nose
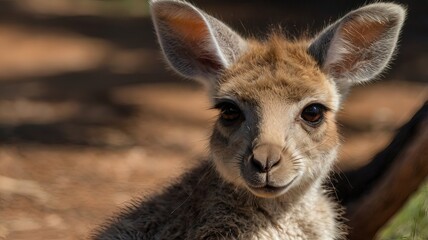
[265, 157]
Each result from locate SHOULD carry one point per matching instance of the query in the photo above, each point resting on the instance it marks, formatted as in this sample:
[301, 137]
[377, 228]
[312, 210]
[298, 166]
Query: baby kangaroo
[275, 139]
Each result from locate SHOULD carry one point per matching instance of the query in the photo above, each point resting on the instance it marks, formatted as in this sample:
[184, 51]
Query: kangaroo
[275, 139]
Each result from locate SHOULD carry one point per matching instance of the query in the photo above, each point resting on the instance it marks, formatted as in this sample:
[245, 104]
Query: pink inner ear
[190, 29]
[362, 33]
[359, 35]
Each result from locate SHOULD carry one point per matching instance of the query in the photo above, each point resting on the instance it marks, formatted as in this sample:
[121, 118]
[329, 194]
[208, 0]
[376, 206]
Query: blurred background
[90, 117]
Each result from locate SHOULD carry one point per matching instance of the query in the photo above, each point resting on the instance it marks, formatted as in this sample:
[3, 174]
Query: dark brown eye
[313, 114]
[230, 114]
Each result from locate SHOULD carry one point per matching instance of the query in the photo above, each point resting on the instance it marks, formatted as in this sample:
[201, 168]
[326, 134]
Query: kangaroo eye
[313, 114]
[230, 114]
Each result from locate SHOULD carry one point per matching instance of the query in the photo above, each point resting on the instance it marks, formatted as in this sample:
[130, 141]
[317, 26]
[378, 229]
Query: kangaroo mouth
[269, 191]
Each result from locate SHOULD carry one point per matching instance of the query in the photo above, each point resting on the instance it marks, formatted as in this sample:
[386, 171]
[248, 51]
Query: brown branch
[374, 193]
[410, 169]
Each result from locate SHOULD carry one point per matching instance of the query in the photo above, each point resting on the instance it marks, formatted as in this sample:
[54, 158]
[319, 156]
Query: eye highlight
[313, 114]
[230, 114]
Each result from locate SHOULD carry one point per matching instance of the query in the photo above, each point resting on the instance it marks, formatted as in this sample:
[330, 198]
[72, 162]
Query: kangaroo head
[276, 132]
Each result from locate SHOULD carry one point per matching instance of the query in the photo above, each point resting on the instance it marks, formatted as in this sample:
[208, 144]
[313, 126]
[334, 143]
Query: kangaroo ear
[195, 44]
[359, 46]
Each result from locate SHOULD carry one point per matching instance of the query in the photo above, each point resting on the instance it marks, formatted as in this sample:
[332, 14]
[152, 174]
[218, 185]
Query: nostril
[258, 165]
[275, 163]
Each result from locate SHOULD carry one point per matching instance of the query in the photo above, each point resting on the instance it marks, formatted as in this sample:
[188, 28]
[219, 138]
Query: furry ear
[195, 44]
[359, 46]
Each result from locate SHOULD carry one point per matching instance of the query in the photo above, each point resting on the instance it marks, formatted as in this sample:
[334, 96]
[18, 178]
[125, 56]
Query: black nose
[265, 157]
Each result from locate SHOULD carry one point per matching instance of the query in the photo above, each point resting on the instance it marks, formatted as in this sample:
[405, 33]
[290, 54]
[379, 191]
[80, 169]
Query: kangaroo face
[276, 127]
[276, 132]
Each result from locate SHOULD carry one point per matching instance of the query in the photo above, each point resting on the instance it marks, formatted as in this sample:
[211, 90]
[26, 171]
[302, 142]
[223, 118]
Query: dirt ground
[75, 148]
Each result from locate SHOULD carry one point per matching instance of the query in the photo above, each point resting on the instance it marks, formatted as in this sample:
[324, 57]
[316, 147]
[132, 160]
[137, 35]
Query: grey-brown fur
[264, 174]
[202, 206]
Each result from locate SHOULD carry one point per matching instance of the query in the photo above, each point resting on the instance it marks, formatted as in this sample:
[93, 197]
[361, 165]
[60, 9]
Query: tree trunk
[375, 192]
